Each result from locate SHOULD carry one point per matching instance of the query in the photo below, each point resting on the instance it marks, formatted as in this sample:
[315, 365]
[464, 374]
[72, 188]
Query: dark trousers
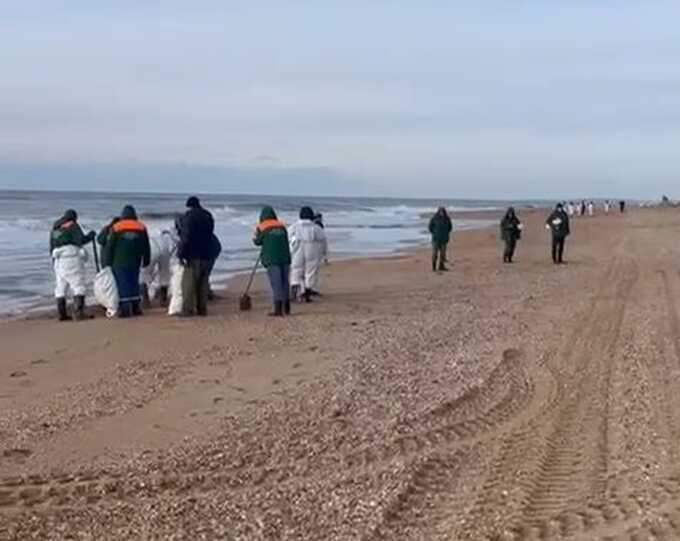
[438, 255]
[196, 285]
[558, 248]
[509, 252]
[279, 279]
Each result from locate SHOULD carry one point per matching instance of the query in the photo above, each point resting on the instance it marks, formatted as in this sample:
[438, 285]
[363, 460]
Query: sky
[491, 99]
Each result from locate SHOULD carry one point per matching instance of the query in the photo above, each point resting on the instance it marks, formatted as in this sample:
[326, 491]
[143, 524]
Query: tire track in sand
[507, 392]
[558, 458]
[430, 500]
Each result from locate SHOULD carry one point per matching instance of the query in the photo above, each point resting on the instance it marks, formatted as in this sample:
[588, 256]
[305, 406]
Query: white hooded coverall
[69, 270]
[157, 274]
[308, 248]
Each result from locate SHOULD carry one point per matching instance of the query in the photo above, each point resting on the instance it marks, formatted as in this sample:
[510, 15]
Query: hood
[267, 214]
[306, 213]
[193, 202]
[129, 213]
[70, 216]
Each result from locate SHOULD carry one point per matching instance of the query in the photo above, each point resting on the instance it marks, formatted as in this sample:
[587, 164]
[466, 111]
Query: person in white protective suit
[156, 276]
[308, 248]
[67, 242]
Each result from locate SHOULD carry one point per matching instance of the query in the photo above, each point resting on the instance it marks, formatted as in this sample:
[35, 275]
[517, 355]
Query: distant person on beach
[622, 206]
[272, 237]
[308, 248]
[67, 242]
[511, 232]
[583, 208]
[607, 206]
[591, 209]
[571, 209]
[127, 250]
[558, 223]
[197, 252]
[440, 228]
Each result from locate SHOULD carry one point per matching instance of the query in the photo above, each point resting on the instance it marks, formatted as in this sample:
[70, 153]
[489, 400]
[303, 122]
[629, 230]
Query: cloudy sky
[460, 99]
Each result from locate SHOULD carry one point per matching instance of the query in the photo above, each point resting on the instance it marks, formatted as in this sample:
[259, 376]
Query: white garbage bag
[176, 298]
[106, 291]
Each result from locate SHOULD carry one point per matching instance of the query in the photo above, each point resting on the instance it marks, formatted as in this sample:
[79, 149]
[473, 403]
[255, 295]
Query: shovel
[245, 303]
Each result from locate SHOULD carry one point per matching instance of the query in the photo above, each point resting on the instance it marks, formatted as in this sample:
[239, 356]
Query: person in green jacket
[440, 229]
[511, 231]
[127, 250]
[272, 237]
[67, 242]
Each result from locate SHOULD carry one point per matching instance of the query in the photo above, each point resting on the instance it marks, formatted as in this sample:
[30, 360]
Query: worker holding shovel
[272, 236]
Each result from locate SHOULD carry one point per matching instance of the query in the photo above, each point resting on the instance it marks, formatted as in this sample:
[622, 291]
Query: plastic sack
[176, 306]
[106, 291]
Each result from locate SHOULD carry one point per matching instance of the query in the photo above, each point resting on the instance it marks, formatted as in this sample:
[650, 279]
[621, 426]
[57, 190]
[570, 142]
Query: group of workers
[558, 223]
[136, 260]
[179, 262]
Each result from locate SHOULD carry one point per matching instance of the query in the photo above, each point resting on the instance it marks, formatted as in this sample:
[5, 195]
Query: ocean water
[355, 227]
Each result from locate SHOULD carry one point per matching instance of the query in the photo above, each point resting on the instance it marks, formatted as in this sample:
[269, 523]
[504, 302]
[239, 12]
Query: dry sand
[492, 402]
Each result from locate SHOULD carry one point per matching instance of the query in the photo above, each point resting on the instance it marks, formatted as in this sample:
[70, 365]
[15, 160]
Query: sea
[356, 227]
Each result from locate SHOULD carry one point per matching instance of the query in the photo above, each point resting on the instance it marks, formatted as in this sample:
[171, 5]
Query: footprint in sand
[17, 453]
[39, 361]
[18, 374]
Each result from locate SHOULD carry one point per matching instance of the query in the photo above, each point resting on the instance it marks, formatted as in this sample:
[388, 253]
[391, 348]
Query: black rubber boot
[278, 309]
[62, 313]
[164, 296]
[79, 308]
[146, 300]
[286, 307]
[125, 310]
[137, 308]
[308, 295]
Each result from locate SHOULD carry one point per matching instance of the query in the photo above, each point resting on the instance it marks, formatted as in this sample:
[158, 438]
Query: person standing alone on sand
[68, 257]
[622, 206]
[197, 251]
[272, 237]
[511, 231]
[558, 223]
[440, 228]
[127, 250]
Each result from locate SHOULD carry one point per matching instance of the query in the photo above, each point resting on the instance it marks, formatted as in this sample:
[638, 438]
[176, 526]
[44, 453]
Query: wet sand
[523, 401]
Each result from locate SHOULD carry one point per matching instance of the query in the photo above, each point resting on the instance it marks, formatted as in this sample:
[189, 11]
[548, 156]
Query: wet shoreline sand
[490, 402]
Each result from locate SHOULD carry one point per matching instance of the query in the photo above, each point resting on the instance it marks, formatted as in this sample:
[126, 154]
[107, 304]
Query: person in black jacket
[558, 223]
[440, 228]
[197, 252]
[511, 231]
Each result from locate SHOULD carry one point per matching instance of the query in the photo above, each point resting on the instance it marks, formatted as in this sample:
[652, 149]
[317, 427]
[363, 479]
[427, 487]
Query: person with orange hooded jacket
[127, 250]
[272, 237]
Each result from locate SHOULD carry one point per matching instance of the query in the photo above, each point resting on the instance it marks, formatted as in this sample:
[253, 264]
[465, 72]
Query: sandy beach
[500, 402]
